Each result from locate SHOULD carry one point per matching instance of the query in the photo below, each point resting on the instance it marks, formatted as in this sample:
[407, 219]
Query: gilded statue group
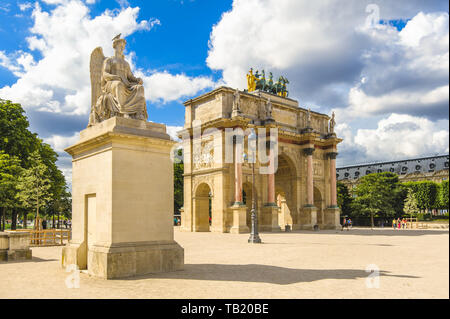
[115, 90]
[258, 82]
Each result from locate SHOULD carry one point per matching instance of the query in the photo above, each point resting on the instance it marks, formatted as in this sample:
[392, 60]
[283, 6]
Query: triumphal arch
[218, 191]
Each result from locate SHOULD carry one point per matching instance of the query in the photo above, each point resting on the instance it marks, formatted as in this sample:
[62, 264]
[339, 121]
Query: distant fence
[411, 223]
[48, 237]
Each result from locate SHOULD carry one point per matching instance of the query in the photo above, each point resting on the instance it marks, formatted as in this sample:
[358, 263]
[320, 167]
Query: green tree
[378, 193]
[9, 170]
[410, 206]
[426, 194]
[178, 183]
[344, 199]
[34, 185]
[15, 138]
[443, 195]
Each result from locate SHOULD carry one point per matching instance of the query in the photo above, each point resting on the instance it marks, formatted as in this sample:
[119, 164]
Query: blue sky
[179, 44]
[387, 82]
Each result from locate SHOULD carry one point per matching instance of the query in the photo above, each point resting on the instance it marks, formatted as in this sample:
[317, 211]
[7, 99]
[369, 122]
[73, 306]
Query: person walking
[350, 225]
[399, 223]
[394, 224]
[344, 223]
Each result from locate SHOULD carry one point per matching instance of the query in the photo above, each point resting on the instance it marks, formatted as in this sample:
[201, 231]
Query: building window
[346, 174]
[368, 172]
[418, 167]
[379, 170]
[432, 166]
[392, 169]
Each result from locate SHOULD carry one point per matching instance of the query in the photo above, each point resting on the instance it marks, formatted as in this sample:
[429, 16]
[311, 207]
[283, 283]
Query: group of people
[347, 223]
[399, 223]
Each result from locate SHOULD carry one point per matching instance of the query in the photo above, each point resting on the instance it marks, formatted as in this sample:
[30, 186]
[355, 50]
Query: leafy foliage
[411, 207]
[344, 199]
[18, 142]
[426, 194]
[178, 183]
[379, 194]
[9, 170]
[34, 184]
[15, 138]
[443, 195]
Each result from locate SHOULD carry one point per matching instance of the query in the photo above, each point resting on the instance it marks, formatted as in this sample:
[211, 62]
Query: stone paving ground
[324, 264]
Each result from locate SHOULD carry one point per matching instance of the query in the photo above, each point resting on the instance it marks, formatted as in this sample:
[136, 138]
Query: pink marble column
[333, 193]
[271, 181]
[309, 176]
[271, 188]
[238, 177]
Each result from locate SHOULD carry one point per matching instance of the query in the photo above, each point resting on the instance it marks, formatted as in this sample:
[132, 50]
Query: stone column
[332, 212]
[271, 182]
[238, 177]
[309, 176]
[271, 188]
[308, 215]
[332, 157]
[271, 209]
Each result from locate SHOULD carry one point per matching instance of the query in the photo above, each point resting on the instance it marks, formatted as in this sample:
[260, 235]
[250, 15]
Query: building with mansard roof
[431, 168]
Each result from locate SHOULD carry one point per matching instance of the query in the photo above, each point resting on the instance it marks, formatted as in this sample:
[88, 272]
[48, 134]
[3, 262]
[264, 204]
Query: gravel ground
[324, 264]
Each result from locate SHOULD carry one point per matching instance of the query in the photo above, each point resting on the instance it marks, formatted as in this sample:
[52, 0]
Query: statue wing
[96, 65]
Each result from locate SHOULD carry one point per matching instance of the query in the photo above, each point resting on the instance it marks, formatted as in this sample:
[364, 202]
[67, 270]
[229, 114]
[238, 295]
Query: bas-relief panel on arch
[250, 107]
[203, 154]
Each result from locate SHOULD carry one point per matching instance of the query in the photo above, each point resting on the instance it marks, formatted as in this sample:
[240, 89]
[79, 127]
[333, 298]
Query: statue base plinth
[127, 259]
[308, 218]
[239, 219]
[332, 217]
[122, 200]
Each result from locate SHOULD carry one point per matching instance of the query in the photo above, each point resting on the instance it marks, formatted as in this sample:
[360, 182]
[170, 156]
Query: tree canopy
[29, 161]
[344, 199]
[379, 193]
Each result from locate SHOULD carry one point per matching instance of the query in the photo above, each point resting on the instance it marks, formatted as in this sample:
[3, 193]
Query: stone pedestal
[122, 200]
[239, 219]
[14, 246]
[308, 217]
[270, 221]
[332, 218]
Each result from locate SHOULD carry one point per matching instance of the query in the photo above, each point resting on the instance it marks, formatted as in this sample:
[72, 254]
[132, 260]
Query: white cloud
[172, 131]
[59, 142]
[334, 61]
[165, 87]
[6, 62]
[406, 72]
[65, 37]
[403, 136]
[25, 6]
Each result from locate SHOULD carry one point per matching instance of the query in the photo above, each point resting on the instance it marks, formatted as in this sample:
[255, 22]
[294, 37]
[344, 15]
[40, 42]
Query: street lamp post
[254, 235]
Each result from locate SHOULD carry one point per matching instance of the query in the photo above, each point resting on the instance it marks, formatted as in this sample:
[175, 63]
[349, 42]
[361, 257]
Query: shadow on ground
[375, 232]
[261, 274]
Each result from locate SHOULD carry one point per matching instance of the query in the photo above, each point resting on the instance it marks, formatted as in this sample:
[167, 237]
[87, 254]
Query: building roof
[402, 167]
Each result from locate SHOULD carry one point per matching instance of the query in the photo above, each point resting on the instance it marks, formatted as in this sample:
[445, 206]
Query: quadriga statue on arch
[115, 90]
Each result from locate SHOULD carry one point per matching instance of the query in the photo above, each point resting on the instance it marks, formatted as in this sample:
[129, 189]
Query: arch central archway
[202, 208]
[319, 204]
[285, 191]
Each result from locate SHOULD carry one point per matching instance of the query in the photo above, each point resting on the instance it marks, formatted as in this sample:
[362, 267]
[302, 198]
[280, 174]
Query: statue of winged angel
[115, 91]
